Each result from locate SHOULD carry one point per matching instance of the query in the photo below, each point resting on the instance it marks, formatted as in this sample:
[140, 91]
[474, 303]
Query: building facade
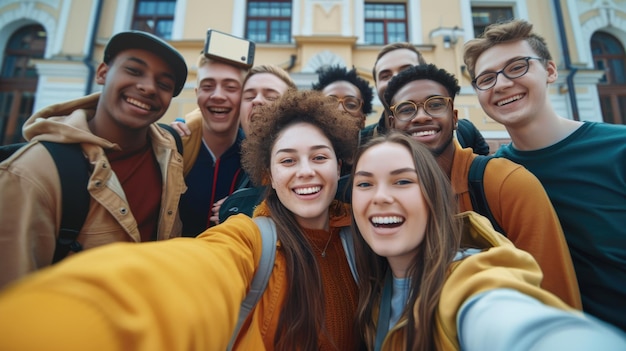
[51, 48]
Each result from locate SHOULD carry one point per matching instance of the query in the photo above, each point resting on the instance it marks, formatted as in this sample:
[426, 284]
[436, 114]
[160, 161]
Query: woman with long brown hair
[430, 279]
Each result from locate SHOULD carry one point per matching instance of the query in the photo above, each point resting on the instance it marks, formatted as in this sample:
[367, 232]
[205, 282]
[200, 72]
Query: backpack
[266, 264]
[73, 170]
[477, 190]
[243, 200]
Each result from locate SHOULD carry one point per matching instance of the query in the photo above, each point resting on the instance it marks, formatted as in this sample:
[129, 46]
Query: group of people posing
[418, 269]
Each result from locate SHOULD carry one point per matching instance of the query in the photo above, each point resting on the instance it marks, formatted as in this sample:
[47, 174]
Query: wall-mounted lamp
[450, 35]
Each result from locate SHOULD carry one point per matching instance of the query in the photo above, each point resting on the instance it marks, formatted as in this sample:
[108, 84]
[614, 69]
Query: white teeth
[509, 100]
[387, 220]
[307, 191]
[219, 110]
[424, 133]
[138, 103]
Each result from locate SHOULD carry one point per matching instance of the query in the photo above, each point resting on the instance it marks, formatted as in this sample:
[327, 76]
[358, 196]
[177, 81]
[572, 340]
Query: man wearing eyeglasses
[582, 165]
[421, 100]
[353, 94]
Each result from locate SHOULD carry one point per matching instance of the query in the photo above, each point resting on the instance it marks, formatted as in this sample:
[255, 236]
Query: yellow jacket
[501, 265]
[192, 143]
[30, 202]
[180, 294]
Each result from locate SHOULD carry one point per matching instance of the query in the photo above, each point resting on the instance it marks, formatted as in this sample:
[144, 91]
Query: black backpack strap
[177, 139]
[73, 170]
[7, 150]
[477, 190]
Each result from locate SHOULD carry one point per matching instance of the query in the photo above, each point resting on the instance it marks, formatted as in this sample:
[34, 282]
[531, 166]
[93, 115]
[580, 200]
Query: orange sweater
[522, 208]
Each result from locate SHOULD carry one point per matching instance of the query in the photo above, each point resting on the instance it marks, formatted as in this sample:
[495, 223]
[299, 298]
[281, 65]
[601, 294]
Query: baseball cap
[135, 39]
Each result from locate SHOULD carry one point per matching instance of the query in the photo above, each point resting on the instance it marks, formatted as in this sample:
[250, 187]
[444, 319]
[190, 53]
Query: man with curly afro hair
[353, 94]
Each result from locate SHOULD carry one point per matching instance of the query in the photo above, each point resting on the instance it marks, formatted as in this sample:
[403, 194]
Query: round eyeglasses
[512, 70]
[435, 106]
[350, 103]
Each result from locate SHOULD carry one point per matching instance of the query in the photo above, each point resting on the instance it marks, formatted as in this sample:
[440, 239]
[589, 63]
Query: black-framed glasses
[350, 103]
[434, 106]
[512, 70]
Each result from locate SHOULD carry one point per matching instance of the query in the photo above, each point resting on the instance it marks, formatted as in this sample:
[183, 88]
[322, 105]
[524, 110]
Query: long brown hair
[301, 320]
[427, 272]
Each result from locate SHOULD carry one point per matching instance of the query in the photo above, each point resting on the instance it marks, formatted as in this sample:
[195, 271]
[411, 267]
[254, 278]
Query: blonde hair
[272, 69]
[499, 33]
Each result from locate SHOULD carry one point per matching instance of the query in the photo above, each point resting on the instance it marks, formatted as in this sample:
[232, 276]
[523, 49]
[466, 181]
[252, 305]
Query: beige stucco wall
[329, 21]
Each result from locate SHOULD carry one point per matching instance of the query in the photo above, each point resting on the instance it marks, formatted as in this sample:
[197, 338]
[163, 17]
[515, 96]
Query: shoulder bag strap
[262, 274]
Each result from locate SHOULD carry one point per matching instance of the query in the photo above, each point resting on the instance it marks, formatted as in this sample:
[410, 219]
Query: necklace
[323, 254]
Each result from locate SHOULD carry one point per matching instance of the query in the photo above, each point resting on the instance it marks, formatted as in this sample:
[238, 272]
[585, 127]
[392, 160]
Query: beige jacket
[30, 201]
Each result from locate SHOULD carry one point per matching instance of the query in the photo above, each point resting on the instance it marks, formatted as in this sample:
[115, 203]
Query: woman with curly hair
[430, 279]
[185, 293]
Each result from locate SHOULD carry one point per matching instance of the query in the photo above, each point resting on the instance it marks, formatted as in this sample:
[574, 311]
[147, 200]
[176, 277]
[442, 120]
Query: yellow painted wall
[77, 28]
[327, 23]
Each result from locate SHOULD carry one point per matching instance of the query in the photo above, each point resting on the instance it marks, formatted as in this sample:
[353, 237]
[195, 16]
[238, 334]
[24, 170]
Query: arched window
[608, 55]
[18, 80]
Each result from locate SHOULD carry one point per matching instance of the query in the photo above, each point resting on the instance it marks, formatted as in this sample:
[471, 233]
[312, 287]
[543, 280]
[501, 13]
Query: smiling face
[515, 102]
[260, 89]
[138, 89]
[342, 89]
[390, 65]
[434, 132]
[388, 204]
[304, 172]
[218, 95]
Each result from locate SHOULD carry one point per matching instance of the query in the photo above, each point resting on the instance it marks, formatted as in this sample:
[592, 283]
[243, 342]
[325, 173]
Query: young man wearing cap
[135, 170]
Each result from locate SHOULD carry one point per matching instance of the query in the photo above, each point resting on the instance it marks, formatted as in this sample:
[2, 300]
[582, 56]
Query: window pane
[617, 71]
[146, 8]
[374, 33]
[389, 16]
[484, 16]
[253, 9]
[155, 16]
[257, 31]
[269, 21]
[166, 8]
[396, 32]
[164, 29]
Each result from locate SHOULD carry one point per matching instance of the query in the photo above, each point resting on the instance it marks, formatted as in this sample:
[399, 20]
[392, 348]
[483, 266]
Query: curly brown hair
[295, 106]
[301, 320]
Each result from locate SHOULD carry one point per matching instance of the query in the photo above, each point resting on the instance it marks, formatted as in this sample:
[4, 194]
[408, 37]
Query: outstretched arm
[506, 319]
[179, 294]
